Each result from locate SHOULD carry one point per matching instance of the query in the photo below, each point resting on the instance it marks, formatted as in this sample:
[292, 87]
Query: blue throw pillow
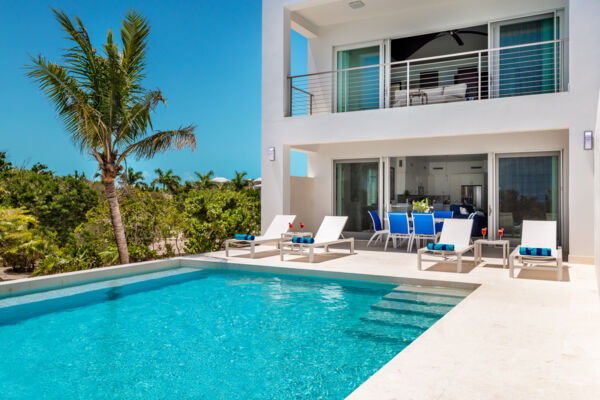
[440, 246]
[239, 236]
[535, 251]
[304, 240]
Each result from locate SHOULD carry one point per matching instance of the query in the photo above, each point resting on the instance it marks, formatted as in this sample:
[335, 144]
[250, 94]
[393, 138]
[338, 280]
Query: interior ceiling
[465, 157]
[450, 41]
[332, 12]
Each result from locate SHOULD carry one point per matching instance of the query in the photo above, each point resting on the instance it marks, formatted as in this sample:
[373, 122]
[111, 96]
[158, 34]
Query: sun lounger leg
[252, 250]
[419, 255]
[352, 246]
[511, 266]
[226, 248]
[311, 254]
[560, 265]
[459, 262]
[386, 242]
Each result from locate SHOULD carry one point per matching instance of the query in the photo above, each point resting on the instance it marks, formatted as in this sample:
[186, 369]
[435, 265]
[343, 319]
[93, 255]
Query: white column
[492, 189]
[597, 195]
[380, 187]
[386, 189]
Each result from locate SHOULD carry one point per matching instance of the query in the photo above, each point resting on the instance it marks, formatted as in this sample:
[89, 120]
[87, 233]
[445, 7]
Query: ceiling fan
[455, 34]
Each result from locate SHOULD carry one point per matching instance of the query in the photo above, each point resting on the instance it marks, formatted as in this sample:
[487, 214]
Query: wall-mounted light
[588, 140]
[271, 151]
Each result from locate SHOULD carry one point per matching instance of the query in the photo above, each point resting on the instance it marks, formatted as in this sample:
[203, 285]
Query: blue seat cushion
[440, 246]
[535, 251]
[303, 240]
[240, 236]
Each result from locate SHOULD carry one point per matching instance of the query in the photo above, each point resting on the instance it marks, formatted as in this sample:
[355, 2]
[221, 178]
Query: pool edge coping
[12, 288]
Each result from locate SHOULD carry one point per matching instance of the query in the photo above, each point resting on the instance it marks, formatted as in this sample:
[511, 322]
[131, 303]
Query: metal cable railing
[520, 70]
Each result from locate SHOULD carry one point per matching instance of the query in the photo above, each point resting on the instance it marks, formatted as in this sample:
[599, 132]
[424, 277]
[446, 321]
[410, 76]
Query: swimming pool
[192, 333]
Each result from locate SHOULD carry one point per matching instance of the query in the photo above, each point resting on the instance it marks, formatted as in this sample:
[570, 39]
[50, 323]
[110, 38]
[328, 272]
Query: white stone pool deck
[525, 338]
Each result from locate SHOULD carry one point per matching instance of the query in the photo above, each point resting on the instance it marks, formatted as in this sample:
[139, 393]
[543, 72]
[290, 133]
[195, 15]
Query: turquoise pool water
[208, 334]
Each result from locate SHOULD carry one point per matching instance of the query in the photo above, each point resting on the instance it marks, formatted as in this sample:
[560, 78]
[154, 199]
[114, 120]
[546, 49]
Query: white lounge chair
[455, 232]
[537, 235]
[279, 225]
[328, 234]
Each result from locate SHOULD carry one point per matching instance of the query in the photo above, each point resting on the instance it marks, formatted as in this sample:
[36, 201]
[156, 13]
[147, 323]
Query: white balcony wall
[573, 111]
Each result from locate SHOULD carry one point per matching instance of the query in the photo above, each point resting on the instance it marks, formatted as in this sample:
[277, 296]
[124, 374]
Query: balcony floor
[529, 337]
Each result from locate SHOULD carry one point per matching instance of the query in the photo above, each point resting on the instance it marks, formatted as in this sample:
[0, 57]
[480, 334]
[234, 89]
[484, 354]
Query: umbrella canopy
[259, 179]
[219, 179]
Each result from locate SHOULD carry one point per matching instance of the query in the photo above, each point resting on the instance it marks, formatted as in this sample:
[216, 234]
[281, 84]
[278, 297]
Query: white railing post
[479, 76]
[407, 83]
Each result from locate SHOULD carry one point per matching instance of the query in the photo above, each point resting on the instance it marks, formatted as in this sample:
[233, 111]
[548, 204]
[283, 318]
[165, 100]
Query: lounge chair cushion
[440, 246]
[535, 251]
[239, 236]
[306, 240]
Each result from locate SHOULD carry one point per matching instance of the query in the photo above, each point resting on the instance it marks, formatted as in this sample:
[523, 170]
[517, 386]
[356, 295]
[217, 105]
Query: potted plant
[422, 206]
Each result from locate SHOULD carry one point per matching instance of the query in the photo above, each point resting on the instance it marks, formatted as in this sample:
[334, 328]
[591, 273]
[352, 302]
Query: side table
[479, 243]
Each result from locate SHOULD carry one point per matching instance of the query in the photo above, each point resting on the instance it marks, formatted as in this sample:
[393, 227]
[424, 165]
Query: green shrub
[213, 216]
[21, 244]
[58, 203]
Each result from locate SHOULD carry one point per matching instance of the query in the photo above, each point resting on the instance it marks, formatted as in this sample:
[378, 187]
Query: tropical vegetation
[99, 96]
[51, 223]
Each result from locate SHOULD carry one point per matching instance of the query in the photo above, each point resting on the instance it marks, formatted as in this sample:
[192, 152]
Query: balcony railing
[520, 70]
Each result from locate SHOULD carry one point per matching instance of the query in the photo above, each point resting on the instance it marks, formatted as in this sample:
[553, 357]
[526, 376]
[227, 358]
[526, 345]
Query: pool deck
[525, 338]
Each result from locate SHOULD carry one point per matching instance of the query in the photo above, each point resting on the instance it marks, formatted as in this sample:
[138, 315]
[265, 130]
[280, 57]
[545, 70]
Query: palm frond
[70, 101]
[81, 59]
[134, 33]
[161, 142]
[137, 121]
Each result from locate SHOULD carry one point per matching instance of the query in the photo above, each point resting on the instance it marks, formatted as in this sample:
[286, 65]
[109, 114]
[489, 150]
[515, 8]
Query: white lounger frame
[279, 225]
[328, 234]
[456, 232]
[537, 234]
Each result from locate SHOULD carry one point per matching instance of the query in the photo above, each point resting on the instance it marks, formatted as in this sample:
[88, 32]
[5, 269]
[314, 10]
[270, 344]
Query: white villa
[488, 104]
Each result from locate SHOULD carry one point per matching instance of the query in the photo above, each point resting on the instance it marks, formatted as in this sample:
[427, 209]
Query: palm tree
[204, 180]
[106, 111]
[238, 180]
[135, 178]
[167, 180]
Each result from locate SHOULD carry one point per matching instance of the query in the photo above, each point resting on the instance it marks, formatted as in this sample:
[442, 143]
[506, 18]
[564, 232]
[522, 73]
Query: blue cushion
[304, 240]
[239, 236]
[440, 246]
[535, 251]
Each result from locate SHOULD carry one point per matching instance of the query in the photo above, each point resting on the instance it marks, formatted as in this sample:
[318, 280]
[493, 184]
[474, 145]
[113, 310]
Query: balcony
[520, 70]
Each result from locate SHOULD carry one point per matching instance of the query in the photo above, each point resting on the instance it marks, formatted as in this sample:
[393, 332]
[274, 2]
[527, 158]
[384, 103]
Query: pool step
[411, 297]
[401, 307]
[396, 319]
[435, 290]
[376, 332]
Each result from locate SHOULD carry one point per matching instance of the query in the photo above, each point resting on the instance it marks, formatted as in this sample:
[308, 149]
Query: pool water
[209, 334]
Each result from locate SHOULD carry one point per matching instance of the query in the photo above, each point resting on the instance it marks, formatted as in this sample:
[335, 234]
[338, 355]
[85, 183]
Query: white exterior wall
[405, 131]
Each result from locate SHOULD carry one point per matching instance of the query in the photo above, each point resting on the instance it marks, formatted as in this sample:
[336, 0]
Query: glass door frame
[383, 57]
[494, 43]
[562, 199]
[377, 160]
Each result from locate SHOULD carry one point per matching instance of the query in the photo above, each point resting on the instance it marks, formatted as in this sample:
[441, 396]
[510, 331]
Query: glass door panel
[358, 89]
[528, 188]
[529, 69]
[357, 192]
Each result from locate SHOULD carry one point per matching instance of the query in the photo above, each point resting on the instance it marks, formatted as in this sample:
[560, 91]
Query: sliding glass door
[524, 70]
[359, 83]
[528, 189]
[357, 192]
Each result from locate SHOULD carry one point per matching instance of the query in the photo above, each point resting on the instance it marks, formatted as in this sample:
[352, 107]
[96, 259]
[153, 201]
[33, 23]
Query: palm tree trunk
[115, 217]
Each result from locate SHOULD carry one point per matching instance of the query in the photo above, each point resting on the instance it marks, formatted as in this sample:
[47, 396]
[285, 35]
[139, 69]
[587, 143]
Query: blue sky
[204, 55]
